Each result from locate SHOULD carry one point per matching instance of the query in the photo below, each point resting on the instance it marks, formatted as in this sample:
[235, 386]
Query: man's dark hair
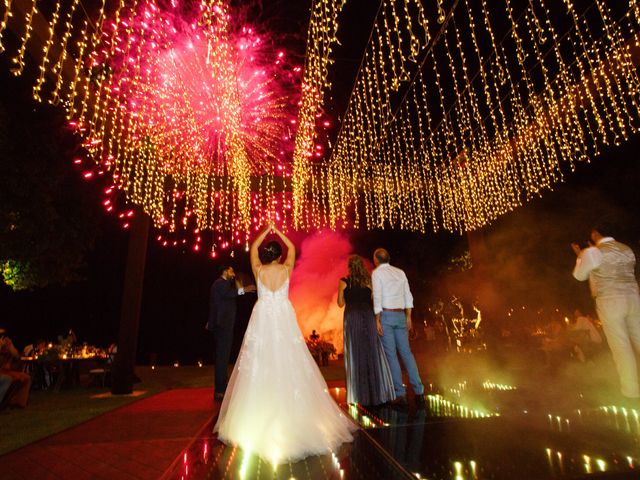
[224, 267]
[604, 227]
[382, 255]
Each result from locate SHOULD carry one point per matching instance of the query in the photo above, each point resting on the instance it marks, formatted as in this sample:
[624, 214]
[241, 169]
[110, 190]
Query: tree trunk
[123, 368]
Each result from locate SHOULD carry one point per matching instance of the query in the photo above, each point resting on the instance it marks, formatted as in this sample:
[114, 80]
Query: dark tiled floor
[469, 433]
[362, 459]
[492, 433]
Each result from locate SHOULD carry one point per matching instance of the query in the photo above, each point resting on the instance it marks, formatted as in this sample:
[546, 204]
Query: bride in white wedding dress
[277, 403]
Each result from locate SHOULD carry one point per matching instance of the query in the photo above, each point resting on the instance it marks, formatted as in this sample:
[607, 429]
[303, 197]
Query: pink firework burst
[201, 90]
[193, 112]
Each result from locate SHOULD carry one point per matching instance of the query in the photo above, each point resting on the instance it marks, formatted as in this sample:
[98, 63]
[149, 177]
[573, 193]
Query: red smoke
[314, 284]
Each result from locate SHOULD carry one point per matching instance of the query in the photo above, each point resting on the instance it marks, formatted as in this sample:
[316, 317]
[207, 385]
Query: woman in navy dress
[368, 375]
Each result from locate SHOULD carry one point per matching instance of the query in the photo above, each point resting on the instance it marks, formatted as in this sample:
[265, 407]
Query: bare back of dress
[272, 279]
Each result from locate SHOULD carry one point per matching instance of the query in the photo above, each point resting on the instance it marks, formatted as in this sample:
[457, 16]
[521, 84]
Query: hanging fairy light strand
[5, 19]
[322, 35]
[388, 63]
[491, 119]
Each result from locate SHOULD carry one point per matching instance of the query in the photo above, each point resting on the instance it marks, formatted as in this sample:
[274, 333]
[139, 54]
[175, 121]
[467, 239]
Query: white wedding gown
[277, 403]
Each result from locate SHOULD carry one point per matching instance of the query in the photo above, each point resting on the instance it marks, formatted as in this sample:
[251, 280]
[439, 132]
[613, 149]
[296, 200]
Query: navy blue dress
[369, 379]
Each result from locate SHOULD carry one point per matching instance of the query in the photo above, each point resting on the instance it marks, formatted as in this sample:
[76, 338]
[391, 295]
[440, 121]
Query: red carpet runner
[137, 441]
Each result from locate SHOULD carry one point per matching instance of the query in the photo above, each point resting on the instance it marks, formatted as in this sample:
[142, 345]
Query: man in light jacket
[609, 267]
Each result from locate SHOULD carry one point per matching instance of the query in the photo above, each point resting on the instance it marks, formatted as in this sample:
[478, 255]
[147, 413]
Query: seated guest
[5, 383]
[41, 373]
[68, 341]
[555, 345]
[585, 323]
[112, 351]
[585, 337]
[29, 350]
[39, 347]
[19, 396]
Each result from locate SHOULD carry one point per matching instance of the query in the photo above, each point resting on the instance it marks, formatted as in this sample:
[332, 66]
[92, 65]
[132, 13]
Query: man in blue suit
[222, 317]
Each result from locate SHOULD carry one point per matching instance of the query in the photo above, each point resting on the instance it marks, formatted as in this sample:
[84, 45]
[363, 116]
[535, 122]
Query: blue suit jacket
[222, 304]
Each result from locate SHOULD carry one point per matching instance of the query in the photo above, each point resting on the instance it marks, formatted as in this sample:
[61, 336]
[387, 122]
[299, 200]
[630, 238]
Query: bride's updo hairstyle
[271, 252]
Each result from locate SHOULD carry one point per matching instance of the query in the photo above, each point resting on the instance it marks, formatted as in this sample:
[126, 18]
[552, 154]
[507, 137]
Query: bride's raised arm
[291, 249]
[253, 251]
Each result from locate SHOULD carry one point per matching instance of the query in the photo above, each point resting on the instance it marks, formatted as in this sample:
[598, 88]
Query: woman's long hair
[358, 273]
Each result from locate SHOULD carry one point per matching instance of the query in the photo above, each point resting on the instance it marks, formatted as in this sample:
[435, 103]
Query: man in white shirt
[583, 336]
[392, 305]
[584, 324]
[609, 266]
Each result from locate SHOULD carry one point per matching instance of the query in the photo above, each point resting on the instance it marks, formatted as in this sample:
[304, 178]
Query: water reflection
[486, 431]
[360, 460]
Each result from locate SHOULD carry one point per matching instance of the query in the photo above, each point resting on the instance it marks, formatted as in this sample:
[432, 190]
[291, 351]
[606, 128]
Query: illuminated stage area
[473, 431]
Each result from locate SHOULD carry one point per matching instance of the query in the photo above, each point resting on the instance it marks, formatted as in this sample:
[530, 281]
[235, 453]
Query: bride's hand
[268, 227]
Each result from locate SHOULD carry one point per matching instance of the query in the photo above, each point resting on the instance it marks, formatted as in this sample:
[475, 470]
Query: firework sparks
[193, 99]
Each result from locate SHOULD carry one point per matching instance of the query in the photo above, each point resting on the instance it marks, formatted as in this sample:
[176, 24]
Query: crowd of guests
[38, 366]
[579, 338]
[377, 322]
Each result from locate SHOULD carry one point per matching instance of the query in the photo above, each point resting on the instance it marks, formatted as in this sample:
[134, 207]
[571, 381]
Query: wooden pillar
[123, 374]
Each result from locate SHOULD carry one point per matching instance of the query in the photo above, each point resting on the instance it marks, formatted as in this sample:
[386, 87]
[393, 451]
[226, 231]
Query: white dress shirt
[390, 288]
[588, 259]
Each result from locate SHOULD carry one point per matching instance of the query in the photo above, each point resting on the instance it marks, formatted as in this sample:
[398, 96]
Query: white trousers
[620, 317]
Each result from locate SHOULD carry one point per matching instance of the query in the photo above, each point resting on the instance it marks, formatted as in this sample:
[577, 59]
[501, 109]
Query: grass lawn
[50, 412]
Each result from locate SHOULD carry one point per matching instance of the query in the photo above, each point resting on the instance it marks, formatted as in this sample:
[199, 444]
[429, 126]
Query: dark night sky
[530, 244]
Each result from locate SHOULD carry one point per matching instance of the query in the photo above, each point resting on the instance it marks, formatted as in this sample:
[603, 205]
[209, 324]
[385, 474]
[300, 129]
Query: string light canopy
[503, 100]
[461, 110]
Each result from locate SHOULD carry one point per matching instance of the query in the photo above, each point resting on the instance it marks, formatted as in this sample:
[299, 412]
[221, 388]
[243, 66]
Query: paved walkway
[137, 441]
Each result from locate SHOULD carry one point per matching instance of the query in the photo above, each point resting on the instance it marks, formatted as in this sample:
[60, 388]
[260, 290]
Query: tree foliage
[48, 219]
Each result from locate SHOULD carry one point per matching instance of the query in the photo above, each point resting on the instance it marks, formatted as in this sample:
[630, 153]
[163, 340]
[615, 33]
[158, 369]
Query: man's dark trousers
[224, 339]
[222, 317]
